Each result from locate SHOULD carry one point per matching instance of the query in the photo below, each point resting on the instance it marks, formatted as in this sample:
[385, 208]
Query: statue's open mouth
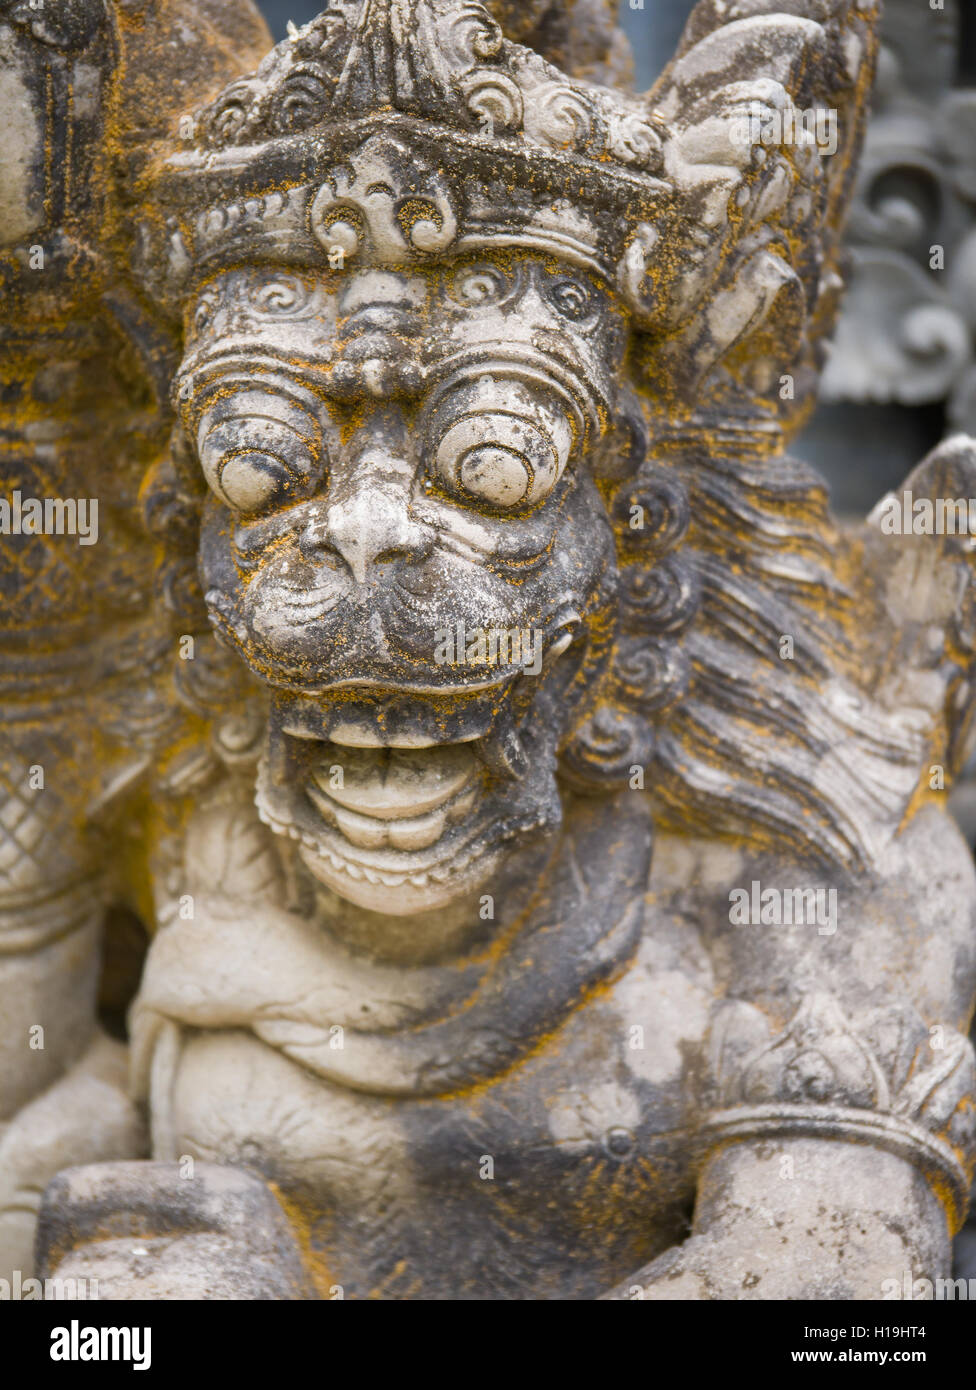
[390, 825]
[401, 803]
[373, 819]
[402, 799]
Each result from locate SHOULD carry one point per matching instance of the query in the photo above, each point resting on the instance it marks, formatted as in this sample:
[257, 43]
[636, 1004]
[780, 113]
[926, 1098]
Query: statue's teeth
[360, 830]
[504, 752]
[418, 833]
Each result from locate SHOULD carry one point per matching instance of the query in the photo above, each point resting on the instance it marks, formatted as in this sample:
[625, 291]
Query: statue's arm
[84, 1116]
[835, 1157]
[835, 1118]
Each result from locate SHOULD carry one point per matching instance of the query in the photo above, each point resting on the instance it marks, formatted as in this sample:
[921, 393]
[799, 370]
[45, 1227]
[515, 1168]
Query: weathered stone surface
[539, 804]
[150, 1230]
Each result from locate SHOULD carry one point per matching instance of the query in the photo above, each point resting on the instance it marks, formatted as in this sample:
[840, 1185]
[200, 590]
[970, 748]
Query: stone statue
[552, 890]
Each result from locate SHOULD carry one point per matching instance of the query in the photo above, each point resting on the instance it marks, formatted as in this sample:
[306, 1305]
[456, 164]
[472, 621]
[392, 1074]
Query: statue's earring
[658, 598]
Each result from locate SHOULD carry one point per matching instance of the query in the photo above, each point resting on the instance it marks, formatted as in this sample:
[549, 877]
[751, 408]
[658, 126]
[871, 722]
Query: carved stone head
[406, 542]
[436, 298]
[404, 387]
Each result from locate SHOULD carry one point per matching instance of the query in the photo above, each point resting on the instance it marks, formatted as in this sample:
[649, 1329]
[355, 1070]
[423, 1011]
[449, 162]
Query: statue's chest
[554, 1181]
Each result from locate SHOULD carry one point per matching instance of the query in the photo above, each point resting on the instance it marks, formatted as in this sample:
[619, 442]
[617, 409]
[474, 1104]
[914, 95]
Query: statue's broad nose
[369, 524]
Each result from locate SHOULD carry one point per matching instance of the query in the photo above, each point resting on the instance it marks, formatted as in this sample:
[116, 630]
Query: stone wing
[762, 113]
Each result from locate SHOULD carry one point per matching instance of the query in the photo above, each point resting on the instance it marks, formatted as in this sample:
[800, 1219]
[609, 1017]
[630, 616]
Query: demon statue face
[405, 542]
[404, 388]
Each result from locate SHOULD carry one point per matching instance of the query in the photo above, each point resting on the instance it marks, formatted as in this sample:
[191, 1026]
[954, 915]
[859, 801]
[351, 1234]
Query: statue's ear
[763, 115]
[659, 595]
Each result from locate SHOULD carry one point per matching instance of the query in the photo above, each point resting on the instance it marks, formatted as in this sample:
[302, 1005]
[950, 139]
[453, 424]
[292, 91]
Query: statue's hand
[835, 1160]
[185, 1230]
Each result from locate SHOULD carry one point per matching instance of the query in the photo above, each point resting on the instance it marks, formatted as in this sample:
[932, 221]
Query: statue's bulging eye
[250, 481]
[258, 449]
[500, 444]
[495, 474]
[573, 299]
[477, 285]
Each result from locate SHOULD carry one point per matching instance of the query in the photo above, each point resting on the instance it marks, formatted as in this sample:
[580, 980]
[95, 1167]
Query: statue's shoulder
[775, 925]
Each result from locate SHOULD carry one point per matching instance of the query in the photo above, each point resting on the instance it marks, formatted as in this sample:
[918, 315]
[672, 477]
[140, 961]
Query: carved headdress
[399, 131]
[396, 131]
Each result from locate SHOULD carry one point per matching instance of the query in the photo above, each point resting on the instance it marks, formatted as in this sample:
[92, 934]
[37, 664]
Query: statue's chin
[415, 892]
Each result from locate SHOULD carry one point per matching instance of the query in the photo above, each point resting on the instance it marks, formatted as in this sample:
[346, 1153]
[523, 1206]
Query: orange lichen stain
[396, 1273]
[543, 1043]
[300, 1220]
[948, 1200]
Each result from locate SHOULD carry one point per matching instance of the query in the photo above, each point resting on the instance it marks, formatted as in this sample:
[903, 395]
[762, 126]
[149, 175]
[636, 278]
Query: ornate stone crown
[398, 131]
